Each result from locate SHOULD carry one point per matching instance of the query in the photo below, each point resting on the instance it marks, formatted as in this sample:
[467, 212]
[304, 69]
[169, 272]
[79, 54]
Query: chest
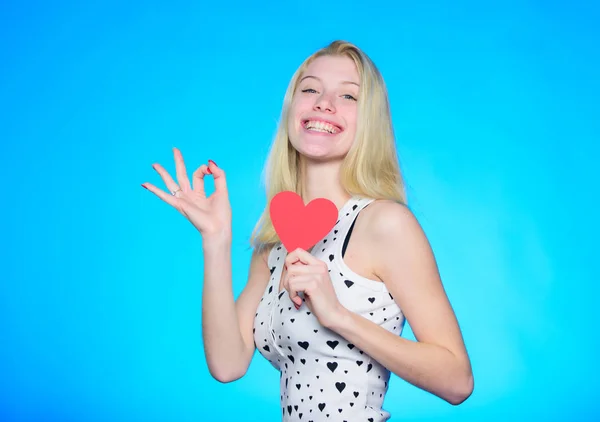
[288, 336]
[358, 255]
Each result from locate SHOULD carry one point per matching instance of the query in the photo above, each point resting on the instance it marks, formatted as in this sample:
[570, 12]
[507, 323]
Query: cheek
[302, 104]
[350, 114]
[290, 123]
[295, 110]
[351, 119]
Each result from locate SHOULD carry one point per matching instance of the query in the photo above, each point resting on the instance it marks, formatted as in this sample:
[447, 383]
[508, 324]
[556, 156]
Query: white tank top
[322, 376]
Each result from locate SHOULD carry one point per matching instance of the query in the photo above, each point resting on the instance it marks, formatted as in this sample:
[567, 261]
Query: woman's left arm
[438, 361]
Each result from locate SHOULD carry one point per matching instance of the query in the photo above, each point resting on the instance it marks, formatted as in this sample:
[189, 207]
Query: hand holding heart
[310, 276]
[299, 227]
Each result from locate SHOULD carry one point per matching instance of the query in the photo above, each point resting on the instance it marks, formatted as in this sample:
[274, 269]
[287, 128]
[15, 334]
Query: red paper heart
[299, 225]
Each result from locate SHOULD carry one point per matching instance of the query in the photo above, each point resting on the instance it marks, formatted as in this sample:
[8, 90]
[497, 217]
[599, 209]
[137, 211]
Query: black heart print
[340, 386]
[309, 377]
[332, 343]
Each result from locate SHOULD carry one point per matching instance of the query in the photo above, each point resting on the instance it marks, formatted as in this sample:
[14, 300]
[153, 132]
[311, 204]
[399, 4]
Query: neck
[322, 180]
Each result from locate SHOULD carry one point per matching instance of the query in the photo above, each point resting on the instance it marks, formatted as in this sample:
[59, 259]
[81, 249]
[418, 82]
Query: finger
[219, 177]
[182, 177]
[287, 285]
[295, 298]
[304, 256]
[168, 198]
[198, 179]
[297, 287]
[169, 182]
[303, 269]
[179, 203]
[291, 259]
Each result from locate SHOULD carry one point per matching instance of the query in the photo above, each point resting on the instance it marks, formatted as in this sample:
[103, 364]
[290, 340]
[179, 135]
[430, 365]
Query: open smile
[321, 127]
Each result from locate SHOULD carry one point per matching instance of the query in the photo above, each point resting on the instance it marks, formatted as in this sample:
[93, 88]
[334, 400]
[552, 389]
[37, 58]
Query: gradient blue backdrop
[495, 108]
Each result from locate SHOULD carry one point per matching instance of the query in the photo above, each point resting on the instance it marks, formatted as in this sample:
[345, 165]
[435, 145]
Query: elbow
[226, 377]
[461, 390]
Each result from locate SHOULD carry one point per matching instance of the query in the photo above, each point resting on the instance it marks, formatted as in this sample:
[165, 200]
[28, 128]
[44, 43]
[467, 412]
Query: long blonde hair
[370, 169]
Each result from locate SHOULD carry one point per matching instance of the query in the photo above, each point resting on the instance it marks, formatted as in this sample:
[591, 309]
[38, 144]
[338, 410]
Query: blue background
[495, 107]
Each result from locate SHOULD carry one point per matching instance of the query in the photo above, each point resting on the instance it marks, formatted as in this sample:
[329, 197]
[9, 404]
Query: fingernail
[208, 170]
[144, 187]
[211, 161]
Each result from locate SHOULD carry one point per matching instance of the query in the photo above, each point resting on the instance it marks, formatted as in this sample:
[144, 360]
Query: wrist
[216, 241]
[340, 319]
[222, 234]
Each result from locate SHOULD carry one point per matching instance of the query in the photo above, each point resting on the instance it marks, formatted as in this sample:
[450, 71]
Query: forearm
[223, 343]
[427, 366]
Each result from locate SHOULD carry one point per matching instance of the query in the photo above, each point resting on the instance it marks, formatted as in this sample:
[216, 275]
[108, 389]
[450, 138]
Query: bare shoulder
[387, 219]
[394, 235]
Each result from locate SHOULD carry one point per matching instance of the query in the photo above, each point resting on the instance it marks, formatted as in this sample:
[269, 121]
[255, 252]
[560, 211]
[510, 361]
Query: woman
[330, 319]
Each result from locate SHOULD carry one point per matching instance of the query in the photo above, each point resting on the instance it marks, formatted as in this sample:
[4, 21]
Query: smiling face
[322, 118]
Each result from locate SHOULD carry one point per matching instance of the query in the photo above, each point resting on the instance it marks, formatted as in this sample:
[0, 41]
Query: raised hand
[210, 215]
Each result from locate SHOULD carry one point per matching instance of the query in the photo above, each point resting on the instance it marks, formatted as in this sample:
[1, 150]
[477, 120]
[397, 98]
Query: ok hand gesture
[210, 215]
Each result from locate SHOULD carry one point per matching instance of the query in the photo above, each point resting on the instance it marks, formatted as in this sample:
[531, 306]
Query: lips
[321, 123]
[316, 119]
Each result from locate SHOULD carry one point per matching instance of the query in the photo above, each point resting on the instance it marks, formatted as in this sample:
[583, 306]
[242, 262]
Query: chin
[318, 153]
[317, 146]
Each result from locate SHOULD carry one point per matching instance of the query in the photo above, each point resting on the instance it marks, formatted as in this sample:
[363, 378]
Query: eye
[349, 97]
[309, 90]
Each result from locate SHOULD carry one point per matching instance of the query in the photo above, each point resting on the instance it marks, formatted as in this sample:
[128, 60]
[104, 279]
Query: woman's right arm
[227, 325]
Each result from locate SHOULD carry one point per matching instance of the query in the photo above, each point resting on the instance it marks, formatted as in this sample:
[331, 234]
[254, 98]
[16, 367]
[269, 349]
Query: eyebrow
[319, 79]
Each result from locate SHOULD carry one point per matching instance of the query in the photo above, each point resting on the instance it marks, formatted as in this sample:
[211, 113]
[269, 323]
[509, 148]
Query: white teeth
[318, 126]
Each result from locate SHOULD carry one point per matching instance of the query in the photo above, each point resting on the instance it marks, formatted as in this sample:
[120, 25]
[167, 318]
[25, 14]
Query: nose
[324, 104]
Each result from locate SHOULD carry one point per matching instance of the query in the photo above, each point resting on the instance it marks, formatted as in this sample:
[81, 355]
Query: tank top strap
[350, 211]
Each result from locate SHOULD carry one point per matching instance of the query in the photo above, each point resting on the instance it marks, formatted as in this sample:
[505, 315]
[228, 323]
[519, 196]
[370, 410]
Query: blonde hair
[370, 169]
